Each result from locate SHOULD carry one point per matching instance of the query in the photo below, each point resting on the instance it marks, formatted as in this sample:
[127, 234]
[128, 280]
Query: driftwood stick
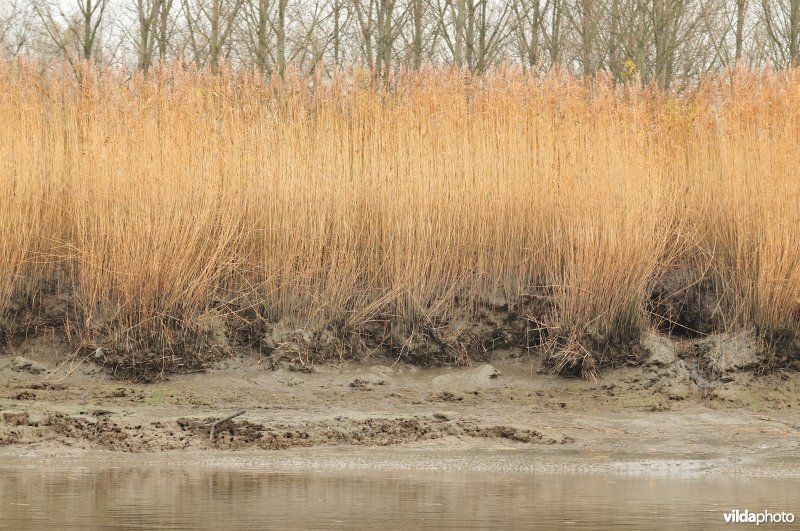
[220, 421]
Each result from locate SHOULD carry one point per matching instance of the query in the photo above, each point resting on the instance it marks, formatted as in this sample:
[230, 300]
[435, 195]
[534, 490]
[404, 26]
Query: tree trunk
[460, 21]
[213, 43]
[416, 44]
[794, 32]
[280, 37]
[87, 31]
[740, 16]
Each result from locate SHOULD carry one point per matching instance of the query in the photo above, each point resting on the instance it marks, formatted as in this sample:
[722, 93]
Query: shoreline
[640, 419]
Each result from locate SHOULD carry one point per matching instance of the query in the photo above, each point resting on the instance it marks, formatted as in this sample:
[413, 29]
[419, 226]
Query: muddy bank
[687, 316]
[676, 405]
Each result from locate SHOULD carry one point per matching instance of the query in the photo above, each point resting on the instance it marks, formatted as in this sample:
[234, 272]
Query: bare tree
[585, 19]
[527, 23]
[306, 38]
[280, 36]
[656, 40]
[340, 16]
[153, 31]
[257, 31]
[379, 28]
[418, 10]
[487, 31]
[15, 27]
[209, 25]
[782, 22]
[741, 12]
[451, 18]
[666, 19]
[74, 32]
[554, 30]
[475, 31]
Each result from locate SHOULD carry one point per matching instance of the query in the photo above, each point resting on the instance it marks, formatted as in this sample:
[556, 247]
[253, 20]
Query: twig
[226, 419]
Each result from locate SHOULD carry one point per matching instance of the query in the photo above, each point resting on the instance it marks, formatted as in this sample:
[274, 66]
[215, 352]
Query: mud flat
[667, 414]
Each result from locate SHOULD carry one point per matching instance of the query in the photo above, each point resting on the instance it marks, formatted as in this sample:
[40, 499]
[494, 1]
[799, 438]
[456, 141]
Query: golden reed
[144, 199]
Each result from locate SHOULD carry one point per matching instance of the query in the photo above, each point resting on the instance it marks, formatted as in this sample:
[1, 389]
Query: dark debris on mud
[100, 430]
[374, 431]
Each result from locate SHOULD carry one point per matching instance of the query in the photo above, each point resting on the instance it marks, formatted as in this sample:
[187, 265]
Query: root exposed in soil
[682, 303]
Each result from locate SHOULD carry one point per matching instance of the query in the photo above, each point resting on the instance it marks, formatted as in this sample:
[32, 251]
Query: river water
[379, 489]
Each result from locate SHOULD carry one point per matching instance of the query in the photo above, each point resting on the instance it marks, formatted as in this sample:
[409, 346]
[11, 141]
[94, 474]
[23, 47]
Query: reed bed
[145, 204]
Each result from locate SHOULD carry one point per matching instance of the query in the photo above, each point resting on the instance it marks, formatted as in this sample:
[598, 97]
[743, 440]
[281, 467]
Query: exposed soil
[690, 398]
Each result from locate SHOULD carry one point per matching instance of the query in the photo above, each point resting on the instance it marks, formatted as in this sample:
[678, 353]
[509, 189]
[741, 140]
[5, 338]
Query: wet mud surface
[667, 410]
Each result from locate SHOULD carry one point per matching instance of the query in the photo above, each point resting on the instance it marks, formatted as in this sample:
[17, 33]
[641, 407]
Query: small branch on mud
[226, 419]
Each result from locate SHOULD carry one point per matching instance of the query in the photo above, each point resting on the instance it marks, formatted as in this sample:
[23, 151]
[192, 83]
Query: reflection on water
[152, 495]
